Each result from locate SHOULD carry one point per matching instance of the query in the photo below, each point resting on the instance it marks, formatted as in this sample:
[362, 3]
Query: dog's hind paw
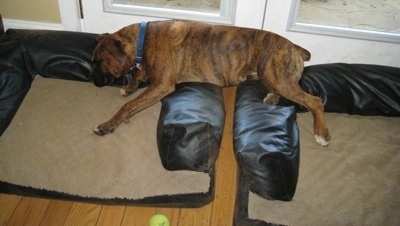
[271, 98]
[320, 140]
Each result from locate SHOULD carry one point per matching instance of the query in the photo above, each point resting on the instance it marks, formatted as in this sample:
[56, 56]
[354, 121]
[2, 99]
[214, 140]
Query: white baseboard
[25, 24]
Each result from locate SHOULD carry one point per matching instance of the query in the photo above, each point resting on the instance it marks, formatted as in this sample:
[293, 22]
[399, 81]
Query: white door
[100, 16]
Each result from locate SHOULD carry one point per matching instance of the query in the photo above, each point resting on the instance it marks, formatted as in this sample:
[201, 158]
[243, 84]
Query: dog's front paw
[102, 130]
[124, 93]
[127, 90]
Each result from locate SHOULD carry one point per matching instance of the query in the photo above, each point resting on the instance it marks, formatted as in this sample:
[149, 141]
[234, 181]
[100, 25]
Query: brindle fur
[186, 51]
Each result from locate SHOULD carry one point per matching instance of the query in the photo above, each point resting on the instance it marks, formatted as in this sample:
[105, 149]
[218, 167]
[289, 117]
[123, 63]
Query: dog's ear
[119, 44]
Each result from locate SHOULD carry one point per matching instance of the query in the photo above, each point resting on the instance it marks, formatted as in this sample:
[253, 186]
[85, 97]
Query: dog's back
[222, 55]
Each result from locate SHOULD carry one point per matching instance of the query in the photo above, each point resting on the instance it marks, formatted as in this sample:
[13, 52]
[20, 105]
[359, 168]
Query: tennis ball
[159, 220]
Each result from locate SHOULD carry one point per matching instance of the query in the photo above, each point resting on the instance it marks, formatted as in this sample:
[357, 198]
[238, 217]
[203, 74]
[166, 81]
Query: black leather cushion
[60, 54]
[15, 80]
[359, 89]
[56, 54]
[190, 127]
[266, 143]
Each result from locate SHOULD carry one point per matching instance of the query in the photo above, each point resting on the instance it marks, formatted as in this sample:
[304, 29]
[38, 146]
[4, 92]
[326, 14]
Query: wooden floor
[17, 210]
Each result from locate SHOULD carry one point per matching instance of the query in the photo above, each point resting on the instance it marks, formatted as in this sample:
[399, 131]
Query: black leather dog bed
[353, 181]
[50, 151]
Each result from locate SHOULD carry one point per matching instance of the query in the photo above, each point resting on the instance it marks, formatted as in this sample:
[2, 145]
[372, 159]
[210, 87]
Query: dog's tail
[303, 53]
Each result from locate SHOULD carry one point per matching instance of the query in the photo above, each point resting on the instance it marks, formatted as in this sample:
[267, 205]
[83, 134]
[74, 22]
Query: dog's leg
[280, 76]
[315, 106]
[146, 99]
[137, 77]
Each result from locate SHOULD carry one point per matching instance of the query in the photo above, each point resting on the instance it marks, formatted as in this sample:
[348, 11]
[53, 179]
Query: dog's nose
[100, 81]
[97, 78]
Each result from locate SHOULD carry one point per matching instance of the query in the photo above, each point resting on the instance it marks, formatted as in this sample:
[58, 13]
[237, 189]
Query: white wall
[329, 49]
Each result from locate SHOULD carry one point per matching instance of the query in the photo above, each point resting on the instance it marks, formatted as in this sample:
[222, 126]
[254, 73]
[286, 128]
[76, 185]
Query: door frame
[70, 15]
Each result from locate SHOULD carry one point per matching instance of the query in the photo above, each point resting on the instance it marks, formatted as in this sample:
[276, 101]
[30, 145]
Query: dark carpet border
[190, 200]
[241, 211]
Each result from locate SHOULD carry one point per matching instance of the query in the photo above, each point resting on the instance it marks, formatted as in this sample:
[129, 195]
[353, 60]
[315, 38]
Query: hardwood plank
[57, 213]
[138, 216]
[195, 216]
[111, 215]
[8, 203]
[223, 205]
[225, 187]
[29, 211]
[83, 214]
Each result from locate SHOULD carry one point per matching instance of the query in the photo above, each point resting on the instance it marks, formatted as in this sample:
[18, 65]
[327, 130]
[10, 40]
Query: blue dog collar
[139, 53]
[140, 42]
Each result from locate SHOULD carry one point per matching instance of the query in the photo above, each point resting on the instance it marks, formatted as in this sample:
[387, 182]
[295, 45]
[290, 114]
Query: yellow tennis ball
[159, 220]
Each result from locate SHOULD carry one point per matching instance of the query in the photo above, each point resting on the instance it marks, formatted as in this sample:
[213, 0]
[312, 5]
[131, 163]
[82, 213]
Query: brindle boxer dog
[186, 51]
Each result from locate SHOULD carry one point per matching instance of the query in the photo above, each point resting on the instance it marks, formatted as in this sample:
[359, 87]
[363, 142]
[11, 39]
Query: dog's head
[112, 59]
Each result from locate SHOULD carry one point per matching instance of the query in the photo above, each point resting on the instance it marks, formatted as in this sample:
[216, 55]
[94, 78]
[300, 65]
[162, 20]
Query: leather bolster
[360, 89]
[266, 143]
[190, 127]
[15, 80]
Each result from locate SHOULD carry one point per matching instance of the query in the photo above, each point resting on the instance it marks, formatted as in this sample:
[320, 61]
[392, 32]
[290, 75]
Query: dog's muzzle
[100, 79]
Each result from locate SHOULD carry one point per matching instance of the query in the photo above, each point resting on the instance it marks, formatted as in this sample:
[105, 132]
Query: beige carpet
[354, 181]
[50, 145]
